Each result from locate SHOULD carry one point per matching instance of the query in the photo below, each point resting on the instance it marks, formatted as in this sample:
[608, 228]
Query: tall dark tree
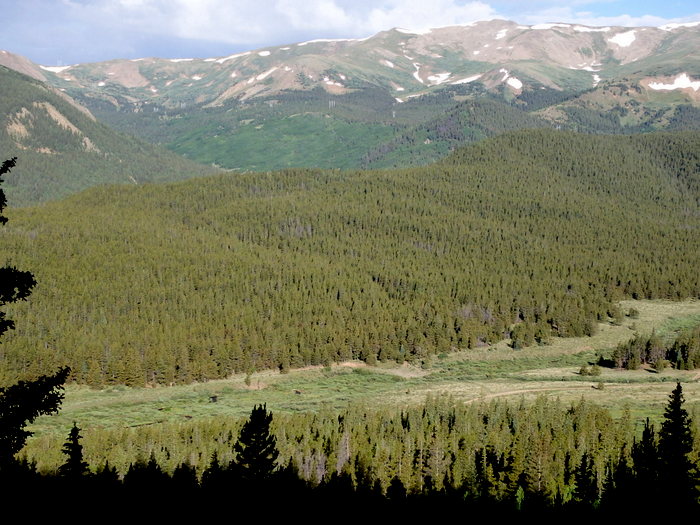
[22, 403]
[256, 449]
[15, 284]
[678, 476]
[74, 467]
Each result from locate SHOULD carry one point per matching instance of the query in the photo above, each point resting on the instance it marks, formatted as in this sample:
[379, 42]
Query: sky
[63, 32]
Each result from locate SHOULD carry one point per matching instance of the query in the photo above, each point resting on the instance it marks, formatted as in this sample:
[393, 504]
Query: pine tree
[677, 472]
[256, 448]
[15, 285]
[22, 403]
[74, 467]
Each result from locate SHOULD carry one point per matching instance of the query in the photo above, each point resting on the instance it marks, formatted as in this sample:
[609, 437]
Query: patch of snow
[331, 83]
[342, 77]
[505, 74]
[55, 69]
[467, 80]
[265, 74]
[287, 68]
[234, 74]
[408, 57]
[416, 74]
[672, 26]
[549, 26]
[310, 76]
[285, 48]
[399, 88]
[586, 29]
[231, 57]
[486, 45]
[153, 90]
[251, 80]
[317, 40]
[181, 59]
[101, 84]
[387, 63]
[439, 78]
[137, 59]
[111, 73]
[399, 101]
[476, 52]
[682, 81]
[196, 77]
[169, 82]
[501, 34]
[596, 80]
[264, 53]
[514, 83]
[623, 39]
[413, 31]
[210, 60]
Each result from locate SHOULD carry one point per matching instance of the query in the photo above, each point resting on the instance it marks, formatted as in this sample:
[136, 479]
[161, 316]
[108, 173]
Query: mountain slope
[353, 103]
[194, 280]
[62, 149]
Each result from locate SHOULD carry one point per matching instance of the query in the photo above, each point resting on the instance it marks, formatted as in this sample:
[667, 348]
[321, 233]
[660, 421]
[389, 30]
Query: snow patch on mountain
[501, 34]
[623, 39]
[387, 63]
[181, 59]
[264, 53]
[586, 29]
[231, 57]
[467, 80]
[549, 26]
[682, 81]
[261, 76]
[596, 80]
[672, 26]
[514, 83]
[196, 77]
[439, 78]
[413, 31]
[55, 69]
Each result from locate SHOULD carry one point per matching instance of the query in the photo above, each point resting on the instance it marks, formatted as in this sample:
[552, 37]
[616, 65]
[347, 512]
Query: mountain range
[394, 99]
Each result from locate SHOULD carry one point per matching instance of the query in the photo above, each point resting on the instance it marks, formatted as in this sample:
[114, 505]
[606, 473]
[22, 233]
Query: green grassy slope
[63, 150]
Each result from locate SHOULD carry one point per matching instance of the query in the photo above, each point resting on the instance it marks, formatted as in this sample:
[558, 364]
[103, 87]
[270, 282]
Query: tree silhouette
[74, 467]
[22, 403]
[256, 449]
[15, 284]
[677, 472]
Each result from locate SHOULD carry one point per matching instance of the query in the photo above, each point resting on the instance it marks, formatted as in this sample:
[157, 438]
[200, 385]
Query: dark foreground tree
[256, 449]
[677, 472]
[15, 284]
[22, 403]
[74, 467]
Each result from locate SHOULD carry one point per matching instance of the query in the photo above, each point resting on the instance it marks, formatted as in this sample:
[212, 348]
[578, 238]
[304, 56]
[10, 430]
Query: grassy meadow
[479, 375]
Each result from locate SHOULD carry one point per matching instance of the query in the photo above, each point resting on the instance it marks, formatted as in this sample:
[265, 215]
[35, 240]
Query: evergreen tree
[677, 472]
[15, 284]
[22, 403]
[74, 467]
[256, 448]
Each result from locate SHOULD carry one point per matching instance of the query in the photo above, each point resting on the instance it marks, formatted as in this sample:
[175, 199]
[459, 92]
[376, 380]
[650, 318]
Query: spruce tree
[74, 467]
[15, 285]
[256, 448]
[678, 475]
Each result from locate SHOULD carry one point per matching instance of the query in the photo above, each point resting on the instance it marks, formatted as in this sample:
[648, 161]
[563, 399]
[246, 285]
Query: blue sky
[61, 32]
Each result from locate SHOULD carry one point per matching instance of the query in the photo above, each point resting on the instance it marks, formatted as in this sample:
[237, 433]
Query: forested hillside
[65, 150]
[536, 232]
